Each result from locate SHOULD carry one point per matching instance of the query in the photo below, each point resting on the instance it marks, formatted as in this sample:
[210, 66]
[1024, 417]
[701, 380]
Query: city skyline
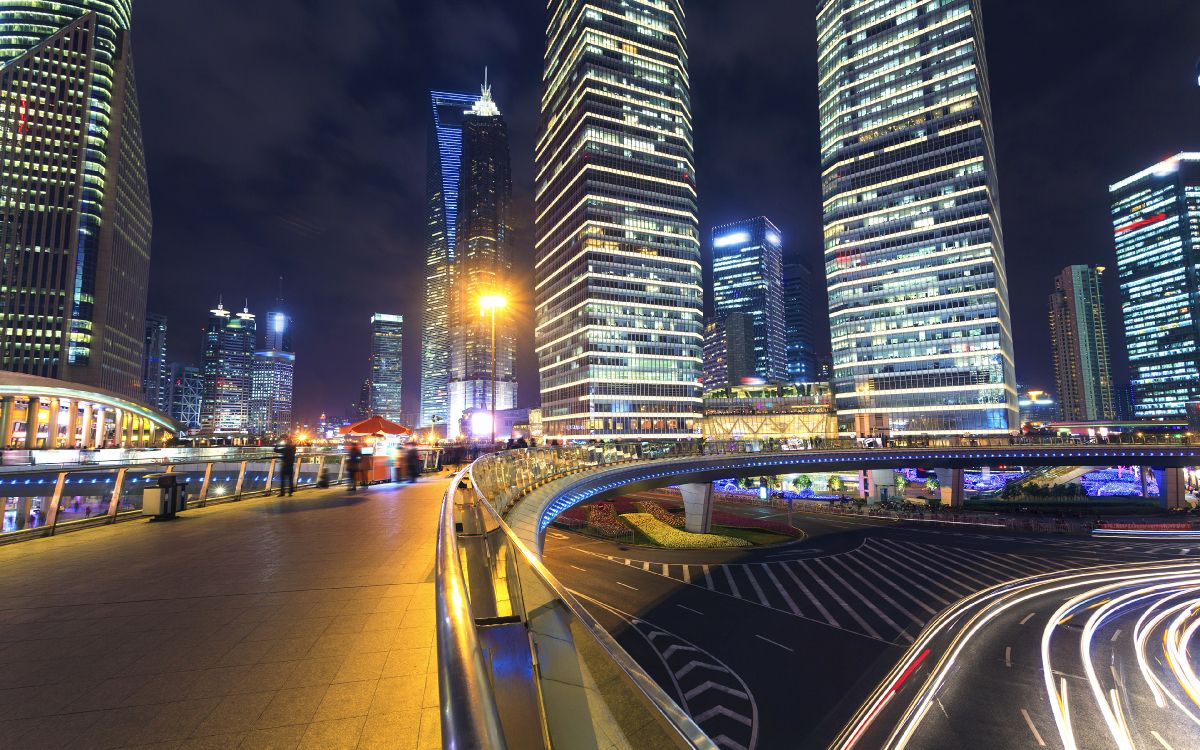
[1066, 217]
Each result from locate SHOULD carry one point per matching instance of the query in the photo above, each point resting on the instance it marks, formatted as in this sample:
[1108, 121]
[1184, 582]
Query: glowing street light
[492, 303]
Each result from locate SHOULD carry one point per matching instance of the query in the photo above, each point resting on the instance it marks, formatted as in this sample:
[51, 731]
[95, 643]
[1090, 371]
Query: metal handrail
[470, 718]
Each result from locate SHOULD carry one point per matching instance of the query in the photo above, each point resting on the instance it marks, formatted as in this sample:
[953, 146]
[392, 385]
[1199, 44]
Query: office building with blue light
[386, 387]
[798, 319]
[914, 257]
[443, 172]
[748, 278]
[1156, 229]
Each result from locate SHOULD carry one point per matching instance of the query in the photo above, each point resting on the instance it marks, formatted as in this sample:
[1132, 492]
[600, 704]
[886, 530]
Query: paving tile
[337, 734]
[407, 661]
[398, 694]
[361, 667]
[346, 699]
[235, 713]
[275, 738]
[397, 730]
[292, 706]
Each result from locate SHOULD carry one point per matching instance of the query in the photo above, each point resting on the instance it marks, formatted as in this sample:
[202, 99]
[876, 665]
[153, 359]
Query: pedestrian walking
[287, 466]
[414, 462]
[354, 465]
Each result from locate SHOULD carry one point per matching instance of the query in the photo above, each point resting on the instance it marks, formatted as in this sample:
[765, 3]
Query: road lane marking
[576, 567]
[710, 685]
[646, 566]
[557, 535]
[821, 607]
[707, 577]
[1008, 656]
[722, 711]
[1115, 636]
[774, 643]
[791, 604]
[1160, 739]
[687, 574]
[626, 585]
[1028, 617]
[836, 597]
[694, 664]
[689, 609]
[852, 557]
[1032, 728]
[677, 647]
[881, 559]
[870, 604]
[732, 586]
[762, 598]
[1113, 668]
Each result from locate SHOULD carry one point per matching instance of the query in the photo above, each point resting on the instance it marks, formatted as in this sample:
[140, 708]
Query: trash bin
[166, 499]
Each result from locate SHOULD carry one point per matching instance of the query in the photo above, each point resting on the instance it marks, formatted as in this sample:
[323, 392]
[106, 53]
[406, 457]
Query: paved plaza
[305, 622]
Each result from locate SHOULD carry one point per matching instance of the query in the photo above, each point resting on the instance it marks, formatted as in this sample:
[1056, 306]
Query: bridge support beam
[697, 507]
[881, 482]
[951, 483]
[1172, 489]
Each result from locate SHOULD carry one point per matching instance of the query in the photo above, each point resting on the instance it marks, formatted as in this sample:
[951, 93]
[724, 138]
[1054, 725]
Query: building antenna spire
[486, 106]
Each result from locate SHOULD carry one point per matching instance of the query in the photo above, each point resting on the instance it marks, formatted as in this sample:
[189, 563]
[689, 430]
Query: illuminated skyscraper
[1079, 342]
[155, 377]
[748, 278]
[441, 187]
[185, 395]
[228, 365]
[387, 366]
[798, 316]
[74, 205]
[271, 378]
[914, 258]
[483, 266]
[619, 328]
[1156, 227]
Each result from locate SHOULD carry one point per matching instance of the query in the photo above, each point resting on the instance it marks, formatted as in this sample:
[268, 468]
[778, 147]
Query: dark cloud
[288, 138]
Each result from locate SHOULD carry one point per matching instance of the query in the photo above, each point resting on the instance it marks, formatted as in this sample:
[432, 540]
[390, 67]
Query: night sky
[287, 138]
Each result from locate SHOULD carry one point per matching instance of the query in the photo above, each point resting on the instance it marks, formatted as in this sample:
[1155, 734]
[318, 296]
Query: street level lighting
[491, 303]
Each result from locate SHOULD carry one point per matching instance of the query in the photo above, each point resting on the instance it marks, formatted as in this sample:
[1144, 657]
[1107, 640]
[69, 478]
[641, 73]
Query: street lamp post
[492, 303]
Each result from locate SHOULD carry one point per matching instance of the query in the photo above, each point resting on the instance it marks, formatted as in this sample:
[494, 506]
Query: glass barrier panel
[223, 483]
[255, 479]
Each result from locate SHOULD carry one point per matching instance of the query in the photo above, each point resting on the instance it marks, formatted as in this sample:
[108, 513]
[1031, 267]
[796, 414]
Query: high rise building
[271, 378]
[442, 179]
[914, 258]
[74, 205]
[482, 267]
[1079, 342]
[748, 278]
[155, 377]
[185, 395]
[1156, 227]
[228, 364]
[729, 351]
[618, 287]
[387, 365]
[798, 318]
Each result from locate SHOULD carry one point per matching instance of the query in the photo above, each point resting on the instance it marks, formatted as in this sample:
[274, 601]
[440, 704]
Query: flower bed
[667, 536]
[662, 514]
[603, 521]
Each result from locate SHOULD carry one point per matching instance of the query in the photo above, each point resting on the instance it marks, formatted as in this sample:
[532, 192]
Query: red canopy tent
[376, 425]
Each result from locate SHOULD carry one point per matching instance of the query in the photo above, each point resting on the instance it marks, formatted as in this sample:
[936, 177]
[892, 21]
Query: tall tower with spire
[483, 266]
[229, 340]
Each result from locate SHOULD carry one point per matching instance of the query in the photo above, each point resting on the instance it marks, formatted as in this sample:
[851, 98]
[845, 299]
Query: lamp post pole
[493, 420]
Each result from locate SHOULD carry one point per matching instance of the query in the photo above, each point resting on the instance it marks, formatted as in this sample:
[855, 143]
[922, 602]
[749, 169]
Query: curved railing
[521, 663]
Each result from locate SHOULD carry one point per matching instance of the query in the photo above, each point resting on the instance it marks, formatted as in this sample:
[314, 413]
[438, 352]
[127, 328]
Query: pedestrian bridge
[522, 664]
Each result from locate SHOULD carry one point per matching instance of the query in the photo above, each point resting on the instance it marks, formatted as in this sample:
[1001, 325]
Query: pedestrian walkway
[883, 589]
[305, 622]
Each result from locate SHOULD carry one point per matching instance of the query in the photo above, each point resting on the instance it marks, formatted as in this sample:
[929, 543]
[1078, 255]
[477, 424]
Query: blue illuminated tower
[441, 184]
[748, 278]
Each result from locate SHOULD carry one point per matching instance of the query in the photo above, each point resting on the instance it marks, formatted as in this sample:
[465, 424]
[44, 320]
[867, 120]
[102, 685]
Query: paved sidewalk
[305, 622]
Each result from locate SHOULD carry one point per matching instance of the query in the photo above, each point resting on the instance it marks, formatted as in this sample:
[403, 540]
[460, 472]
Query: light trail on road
[1159, 603]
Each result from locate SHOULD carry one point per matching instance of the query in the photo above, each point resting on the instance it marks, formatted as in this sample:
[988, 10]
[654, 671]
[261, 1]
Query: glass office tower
[75, 232]
[1079, 342]
[748, 278]
[483, 267]
[1156, 227]
[155, 377]
[229, 341]
[798, 318]
[914, 258]
[387, 366]
[441, 187]
[618, 281]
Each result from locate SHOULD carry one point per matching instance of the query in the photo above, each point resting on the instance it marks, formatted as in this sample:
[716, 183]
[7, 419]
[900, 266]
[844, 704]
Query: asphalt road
[807, 631]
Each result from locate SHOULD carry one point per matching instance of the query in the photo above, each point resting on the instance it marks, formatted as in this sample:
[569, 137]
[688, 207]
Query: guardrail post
[270, 477]
[204, 485]
[52, 511]
[237, 492]
[115, 501]
[341, 470]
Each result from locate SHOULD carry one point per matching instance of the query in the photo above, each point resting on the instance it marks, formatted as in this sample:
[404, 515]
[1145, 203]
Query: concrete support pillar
[864, 485]
[1144, 475]
[1172, 488]
[86, 428]
[697, 507]
[52, 424]
[7, 407]
[33, 417]
[951, 481]
[882, 485]
[101, 428]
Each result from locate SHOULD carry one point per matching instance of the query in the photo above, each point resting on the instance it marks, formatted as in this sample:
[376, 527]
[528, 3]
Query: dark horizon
[303, 154]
